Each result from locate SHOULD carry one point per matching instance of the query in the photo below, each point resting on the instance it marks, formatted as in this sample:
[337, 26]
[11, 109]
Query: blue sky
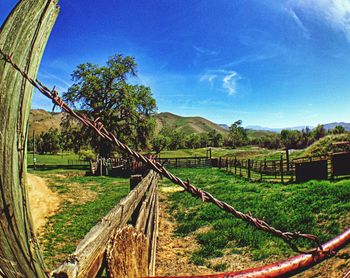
[266, 62]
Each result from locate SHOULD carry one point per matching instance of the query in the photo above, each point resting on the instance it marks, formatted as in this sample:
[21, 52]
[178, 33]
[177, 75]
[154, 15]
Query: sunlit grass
[316, 207]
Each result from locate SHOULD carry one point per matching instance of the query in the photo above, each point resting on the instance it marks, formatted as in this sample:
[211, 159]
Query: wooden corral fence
[123, 243]
[340, 164]
[117, 167]
[312, 168]
[186, 162]
[282, 170]
[108, 167]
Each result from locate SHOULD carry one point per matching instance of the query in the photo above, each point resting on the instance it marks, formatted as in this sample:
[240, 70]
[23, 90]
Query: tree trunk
[24, 35]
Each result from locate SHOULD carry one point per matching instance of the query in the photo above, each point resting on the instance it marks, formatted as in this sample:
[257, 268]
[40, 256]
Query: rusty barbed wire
[99, 128]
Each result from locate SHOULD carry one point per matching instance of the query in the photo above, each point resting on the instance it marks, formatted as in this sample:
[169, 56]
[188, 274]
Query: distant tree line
[71, 139]
[170, 139]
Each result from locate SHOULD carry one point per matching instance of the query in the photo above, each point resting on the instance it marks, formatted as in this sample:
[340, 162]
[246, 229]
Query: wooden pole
[24, 35]
[281, 168]
[235, 165]
[240, 167]
[287, 157]
[249, 165]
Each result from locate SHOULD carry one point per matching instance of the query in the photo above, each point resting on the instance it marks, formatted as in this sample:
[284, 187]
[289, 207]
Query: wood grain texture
[86, 260]
[127, 254]
[24, 34]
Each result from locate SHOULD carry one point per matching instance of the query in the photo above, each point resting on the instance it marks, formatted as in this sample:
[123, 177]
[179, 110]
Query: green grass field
[52, 159]
[84, 200]
[241, 153]
[316, 207]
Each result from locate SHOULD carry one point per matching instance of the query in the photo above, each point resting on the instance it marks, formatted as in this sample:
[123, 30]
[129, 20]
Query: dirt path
[173, 253]
[43, 202]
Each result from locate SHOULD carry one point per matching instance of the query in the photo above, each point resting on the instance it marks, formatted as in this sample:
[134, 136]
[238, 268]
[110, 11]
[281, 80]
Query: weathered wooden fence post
[287, 157]
[249, 168]
[235, 165]
[24, 35]
[281, 168]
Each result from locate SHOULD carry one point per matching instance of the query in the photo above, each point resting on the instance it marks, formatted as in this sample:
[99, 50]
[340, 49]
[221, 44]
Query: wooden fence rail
[186, 162]
[139, 207]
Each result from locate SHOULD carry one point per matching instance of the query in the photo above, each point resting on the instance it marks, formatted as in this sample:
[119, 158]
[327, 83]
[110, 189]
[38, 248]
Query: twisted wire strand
[99, 128]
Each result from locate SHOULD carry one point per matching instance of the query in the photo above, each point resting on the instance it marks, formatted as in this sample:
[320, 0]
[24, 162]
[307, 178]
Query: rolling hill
[41, 121]
[187, 125]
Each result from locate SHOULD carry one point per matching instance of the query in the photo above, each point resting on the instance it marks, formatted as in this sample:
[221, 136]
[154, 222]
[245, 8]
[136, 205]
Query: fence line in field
[258, 170]
[285, 171]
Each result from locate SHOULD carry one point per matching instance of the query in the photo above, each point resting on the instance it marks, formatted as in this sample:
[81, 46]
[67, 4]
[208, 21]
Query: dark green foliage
[316, 207]
[215, 139]
[237, 135]
[160, 142]
[338, 129]
[48, 142]
[193, 141]
[125, 109]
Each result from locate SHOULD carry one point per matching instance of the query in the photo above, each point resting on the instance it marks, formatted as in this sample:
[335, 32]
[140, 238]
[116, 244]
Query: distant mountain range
[333, 125]
[328, 126]
[277, 130]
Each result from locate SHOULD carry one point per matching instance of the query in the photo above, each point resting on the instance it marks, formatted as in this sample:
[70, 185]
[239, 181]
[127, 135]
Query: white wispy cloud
[208, 77]
[298, 22]
[200, 51]
[229, 82]
[226, 79]
[335, 13]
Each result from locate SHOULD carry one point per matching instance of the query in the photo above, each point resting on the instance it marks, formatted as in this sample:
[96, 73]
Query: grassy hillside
[41, 121]
[187, 125]
[324, 145]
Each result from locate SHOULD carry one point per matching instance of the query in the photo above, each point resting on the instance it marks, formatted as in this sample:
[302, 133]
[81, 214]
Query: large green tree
[124, 108]
[237, 134]
[49, 142]
[339, 129]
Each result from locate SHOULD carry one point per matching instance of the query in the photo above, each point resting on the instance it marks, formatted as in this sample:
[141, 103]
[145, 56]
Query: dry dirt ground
[173, 253]
[43, 202]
